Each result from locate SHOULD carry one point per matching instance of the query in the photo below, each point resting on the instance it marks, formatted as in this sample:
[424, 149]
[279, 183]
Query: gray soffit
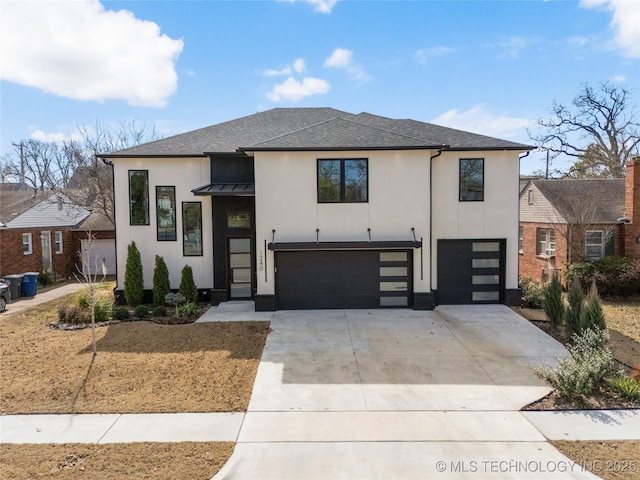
[590, 200]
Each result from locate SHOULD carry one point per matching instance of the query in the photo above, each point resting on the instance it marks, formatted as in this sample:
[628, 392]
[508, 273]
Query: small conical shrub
[188, 287]
[553, 304]
[573, 314]
[593, 315]
[133, 277]
[161, 285]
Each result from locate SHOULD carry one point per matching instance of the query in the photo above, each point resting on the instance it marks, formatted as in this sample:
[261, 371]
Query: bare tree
[90, 280]
[73, 165]
[600, 131]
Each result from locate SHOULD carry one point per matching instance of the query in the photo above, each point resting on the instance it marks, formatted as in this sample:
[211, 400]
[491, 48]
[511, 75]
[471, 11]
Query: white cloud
[79, 50]
[618, 79]
[479, 120]
[577, 41]
[511, 46]
[57, 137]
[625, 23]
[342, 58]
[425, 54]
[298, 67]
[320, 6]
[292, 89]
[339, 58]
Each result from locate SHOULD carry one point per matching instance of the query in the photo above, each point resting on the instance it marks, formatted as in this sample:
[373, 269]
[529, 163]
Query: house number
[261, 261]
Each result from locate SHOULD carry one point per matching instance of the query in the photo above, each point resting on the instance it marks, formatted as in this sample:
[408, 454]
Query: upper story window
[58, 241]
[343, 180]
[138, 197]
[27, 244]
[546, 242]
[471, 180]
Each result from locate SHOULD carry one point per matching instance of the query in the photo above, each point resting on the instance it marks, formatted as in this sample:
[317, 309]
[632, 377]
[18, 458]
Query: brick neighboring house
[43, 232]
[568, 220]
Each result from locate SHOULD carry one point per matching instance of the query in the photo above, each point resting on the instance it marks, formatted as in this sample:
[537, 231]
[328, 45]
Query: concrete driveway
[398, 394]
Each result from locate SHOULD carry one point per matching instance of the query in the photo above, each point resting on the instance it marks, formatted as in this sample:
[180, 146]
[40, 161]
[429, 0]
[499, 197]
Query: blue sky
[488, 67]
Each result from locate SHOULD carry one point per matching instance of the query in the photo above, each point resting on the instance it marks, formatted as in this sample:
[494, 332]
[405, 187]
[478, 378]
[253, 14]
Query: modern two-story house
[307, 208]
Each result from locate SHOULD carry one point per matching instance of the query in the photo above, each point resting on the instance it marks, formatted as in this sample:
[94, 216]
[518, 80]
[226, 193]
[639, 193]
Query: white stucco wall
[286, 200]
[185, 174]
[495, 217]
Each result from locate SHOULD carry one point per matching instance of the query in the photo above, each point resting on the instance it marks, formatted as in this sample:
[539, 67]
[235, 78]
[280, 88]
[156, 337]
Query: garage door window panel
[343, 180]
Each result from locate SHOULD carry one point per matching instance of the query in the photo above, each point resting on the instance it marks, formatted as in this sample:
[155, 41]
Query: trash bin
[29, 283]
[15, 285]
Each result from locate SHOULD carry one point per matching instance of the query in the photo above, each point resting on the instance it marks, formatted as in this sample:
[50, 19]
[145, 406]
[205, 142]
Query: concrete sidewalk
[24, 303]
[301, 427]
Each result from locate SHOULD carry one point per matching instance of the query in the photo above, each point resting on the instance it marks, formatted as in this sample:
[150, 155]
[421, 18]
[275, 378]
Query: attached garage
[471, 271]
[333, 278]
[97, 253]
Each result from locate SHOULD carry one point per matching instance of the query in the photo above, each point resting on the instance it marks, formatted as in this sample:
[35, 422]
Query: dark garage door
[342, 279]
[470, 271]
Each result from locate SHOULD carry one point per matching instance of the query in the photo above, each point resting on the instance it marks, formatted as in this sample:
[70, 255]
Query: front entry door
[240, 268]
[45, 241]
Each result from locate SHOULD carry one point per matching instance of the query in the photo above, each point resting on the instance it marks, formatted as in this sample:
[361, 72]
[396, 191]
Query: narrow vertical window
[58, 242]
[166, 213]
[471, 180]
[138, 197]
[520, 239]
[192, 229]
[27, 244]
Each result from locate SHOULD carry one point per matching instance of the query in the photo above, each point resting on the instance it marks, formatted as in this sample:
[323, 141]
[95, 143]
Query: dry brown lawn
[141, 367]
[140, 461]
[610, 460]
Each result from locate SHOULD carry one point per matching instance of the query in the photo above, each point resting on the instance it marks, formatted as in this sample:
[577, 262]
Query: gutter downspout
[520, 157]
[431, 216]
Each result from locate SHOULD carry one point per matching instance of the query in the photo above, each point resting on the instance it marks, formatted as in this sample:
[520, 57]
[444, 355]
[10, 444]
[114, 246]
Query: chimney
[632, 207]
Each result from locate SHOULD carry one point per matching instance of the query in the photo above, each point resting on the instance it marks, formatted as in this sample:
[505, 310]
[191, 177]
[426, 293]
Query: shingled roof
[315, 129]
[592, 200]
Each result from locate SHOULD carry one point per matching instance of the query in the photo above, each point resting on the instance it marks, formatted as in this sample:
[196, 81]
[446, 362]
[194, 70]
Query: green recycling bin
[15, 285]
[29, 284]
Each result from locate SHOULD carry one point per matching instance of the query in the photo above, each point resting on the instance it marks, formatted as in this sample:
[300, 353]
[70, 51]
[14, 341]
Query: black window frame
[166, 234]
[145, 200]
[185, 231]
[464, 185]
[343, 198]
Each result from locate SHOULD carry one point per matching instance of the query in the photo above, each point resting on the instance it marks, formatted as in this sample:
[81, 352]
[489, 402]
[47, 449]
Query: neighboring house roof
[13, 187]
[315, 129]
[597, 201]
[95, 222]
[39, 209]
